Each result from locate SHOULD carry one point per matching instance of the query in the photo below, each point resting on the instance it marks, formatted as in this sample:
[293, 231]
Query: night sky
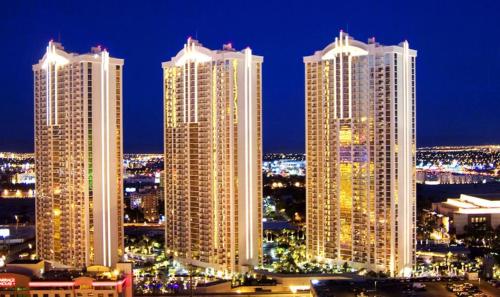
[458, 64]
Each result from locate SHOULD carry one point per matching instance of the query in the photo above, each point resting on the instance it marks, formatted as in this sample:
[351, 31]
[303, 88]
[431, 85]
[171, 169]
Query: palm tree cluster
[291, 254]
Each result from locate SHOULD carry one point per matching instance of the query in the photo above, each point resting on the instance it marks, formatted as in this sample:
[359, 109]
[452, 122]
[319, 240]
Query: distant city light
[4, 232]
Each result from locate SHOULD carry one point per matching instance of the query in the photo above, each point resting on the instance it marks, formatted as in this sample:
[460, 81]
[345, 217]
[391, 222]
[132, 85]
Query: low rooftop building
[28, 278]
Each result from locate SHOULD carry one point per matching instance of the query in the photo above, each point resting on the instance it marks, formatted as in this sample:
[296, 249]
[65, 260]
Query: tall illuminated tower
[360, 144]
[78, 157]
[213, 178]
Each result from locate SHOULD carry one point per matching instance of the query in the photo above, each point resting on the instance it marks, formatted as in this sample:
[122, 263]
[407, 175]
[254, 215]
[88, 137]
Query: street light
[17, 221]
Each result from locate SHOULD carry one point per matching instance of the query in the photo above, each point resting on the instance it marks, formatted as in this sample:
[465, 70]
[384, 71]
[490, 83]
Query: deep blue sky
[458, 64]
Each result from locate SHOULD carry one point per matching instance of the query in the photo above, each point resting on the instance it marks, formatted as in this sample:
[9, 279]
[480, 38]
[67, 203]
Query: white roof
[468, 204]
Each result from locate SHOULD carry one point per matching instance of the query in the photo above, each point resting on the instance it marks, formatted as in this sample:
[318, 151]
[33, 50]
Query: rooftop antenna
[59, 37]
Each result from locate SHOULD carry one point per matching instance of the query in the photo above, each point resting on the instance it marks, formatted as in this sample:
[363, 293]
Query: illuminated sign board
[7, 282]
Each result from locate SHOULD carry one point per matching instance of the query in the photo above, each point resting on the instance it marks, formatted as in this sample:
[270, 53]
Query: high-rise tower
[213, 178]
[78, 157]
[360, 145]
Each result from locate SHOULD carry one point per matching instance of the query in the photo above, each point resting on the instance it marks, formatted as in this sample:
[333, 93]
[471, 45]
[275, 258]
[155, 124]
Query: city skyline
[445, 91]
[303, 148]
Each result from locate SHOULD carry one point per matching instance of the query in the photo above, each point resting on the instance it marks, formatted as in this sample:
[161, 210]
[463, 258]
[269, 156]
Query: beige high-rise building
[360, 145]
[213, 178]
[78, 157]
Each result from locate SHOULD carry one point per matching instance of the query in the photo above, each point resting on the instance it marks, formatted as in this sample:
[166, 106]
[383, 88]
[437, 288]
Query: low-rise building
[147, 199]
[29, 278]
[471, 210]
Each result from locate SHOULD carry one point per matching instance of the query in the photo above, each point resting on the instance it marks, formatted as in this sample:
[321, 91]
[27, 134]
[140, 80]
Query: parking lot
[393, 289]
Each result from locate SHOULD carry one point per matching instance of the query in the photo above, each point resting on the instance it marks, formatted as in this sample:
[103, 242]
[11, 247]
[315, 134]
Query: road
[143, 225]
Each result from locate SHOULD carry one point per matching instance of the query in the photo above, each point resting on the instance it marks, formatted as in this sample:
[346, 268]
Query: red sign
[7, 282]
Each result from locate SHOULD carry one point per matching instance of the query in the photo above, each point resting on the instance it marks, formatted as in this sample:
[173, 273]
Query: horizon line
[290, 152]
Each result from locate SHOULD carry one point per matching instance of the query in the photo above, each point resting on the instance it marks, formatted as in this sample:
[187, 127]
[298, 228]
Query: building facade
[78, 157]
[360, 147]
[147, 200]
[213, 153]
[472, 212]
[30, 279]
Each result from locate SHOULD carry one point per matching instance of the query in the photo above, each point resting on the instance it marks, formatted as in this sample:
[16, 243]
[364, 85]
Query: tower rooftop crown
[191, 41]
